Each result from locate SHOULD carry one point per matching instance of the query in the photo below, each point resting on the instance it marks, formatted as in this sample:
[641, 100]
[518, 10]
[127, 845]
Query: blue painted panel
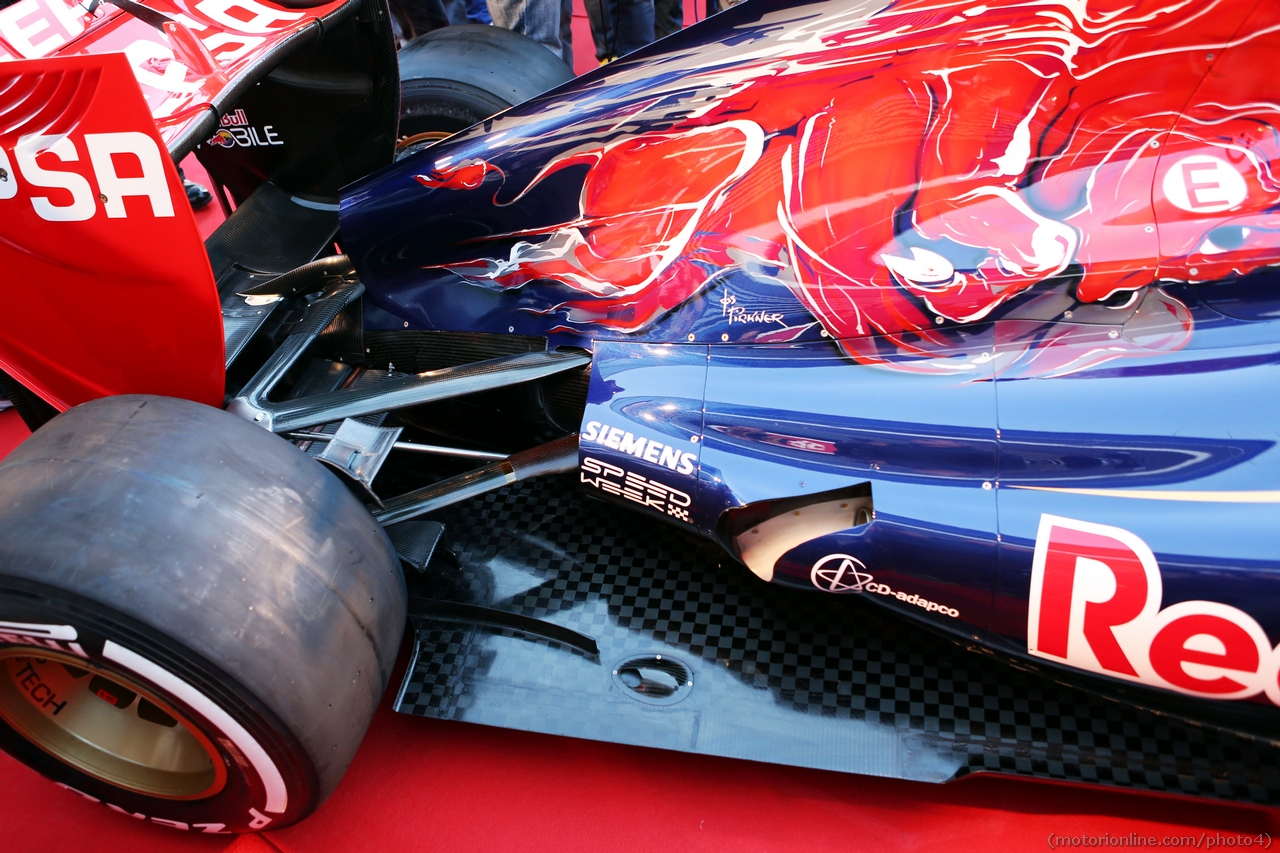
[1178, 449]
[788, 421]
[642, 428]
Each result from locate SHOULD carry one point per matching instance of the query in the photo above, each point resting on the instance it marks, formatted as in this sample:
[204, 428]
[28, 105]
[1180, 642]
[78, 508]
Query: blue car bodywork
[1086, 480]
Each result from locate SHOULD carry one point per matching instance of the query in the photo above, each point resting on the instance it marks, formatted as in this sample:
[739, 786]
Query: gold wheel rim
[418, 141]
[107, 725]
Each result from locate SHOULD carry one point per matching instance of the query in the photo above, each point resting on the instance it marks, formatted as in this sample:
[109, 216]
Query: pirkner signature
[729, 308]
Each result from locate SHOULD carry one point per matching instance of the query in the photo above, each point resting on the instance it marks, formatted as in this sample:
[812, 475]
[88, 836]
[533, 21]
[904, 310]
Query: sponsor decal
[60, 638]
[843, 574]
[36, 154]
[1095, 603]
[912, 598]
[228, 29]
[35, 28]
[246, 16]
[203, 828]
[655, 452]
[1204, 184]
[734, 313]
[236, 132]
[795, 442]
[41, 694]
[778, 439]
[633, 487]
[839, 573]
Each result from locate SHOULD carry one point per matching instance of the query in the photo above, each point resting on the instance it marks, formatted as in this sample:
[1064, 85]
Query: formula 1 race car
[966, 309]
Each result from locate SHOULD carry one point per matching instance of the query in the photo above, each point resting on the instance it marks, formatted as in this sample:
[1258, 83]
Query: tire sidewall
[456, 77]
[242, 804]
[444, 105]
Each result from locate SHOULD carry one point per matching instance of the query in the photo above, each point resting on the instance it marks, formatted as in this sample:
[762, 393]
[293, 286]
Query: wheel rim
[107, 725]
[416, 142]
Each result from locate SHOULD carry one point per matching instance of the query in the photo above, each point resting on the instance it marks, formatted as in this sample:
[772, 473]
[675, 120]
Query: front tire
[196, 620]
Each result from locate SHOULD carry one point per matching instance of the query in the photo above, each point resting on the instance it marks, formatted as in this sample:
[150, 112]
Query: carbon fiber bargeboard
[778, 675]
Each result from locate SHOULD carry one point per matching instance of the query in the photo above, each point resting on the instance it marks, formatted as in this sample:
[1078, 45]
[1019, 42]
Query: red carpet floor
[426, 785]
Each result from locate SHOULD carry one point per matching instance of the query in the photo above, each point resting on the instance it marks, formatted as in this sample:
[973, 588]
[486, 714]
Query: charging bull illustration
[907, 168]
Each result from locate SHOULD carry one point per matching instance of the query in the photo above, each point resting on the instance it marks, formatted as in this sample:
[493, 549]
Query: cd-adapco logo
[839, 573]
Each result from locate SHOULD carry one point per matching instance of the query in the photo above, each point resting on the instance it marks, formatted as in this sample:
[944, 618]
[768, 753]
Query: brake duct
[761, 533]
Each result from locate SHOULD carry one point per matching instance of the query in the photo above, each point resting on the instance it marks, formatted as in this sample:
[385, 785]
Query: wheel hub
[107, 726]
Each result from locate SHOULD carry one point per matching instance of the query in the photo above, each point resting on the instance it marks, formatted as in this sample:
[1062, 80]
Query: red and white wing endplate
[106, 283]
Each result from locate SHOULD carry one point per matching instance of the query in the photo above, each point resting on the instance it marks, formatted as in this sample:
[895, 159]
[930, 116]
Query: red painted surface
[420, 785]
[117, 294]
[205, 45]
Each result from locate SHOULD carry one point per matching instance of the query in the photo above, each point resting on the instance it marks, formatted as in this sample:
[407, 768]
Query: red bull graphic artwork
[903, 169]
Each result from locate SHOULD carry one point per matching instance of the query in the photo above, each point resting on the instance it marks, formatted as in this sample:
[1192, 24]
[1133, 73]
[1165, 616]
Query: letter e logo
[1204, 184]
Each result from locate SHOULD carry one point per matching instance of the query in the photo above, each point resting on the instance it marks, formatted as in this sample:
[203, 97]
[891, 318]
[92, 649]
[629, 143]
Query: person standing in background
[418, 17]
[478, 12]
[197, 194]
[668, 17]
[548, 22]
[621, 26]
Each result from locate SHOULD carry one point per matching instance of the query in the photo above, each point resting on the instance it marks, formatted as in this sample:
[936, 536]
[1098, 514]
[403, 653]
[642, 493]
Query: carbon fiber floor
[777, 675]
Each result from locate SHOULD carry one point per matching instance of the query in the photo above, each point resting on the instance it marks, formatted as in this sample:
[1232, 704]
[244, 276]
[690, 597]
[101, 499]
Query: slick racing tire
[455, 77]
[197, 621]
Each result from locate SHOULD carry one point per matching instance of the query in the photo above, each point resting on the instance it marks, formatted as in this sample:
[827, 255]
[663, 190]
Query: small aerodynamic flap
[105, 286]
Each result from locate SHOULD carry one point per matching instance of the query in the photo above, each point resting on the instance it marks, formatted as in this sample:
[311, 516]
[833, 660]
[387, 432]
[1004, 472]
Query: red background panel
[425, 785]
